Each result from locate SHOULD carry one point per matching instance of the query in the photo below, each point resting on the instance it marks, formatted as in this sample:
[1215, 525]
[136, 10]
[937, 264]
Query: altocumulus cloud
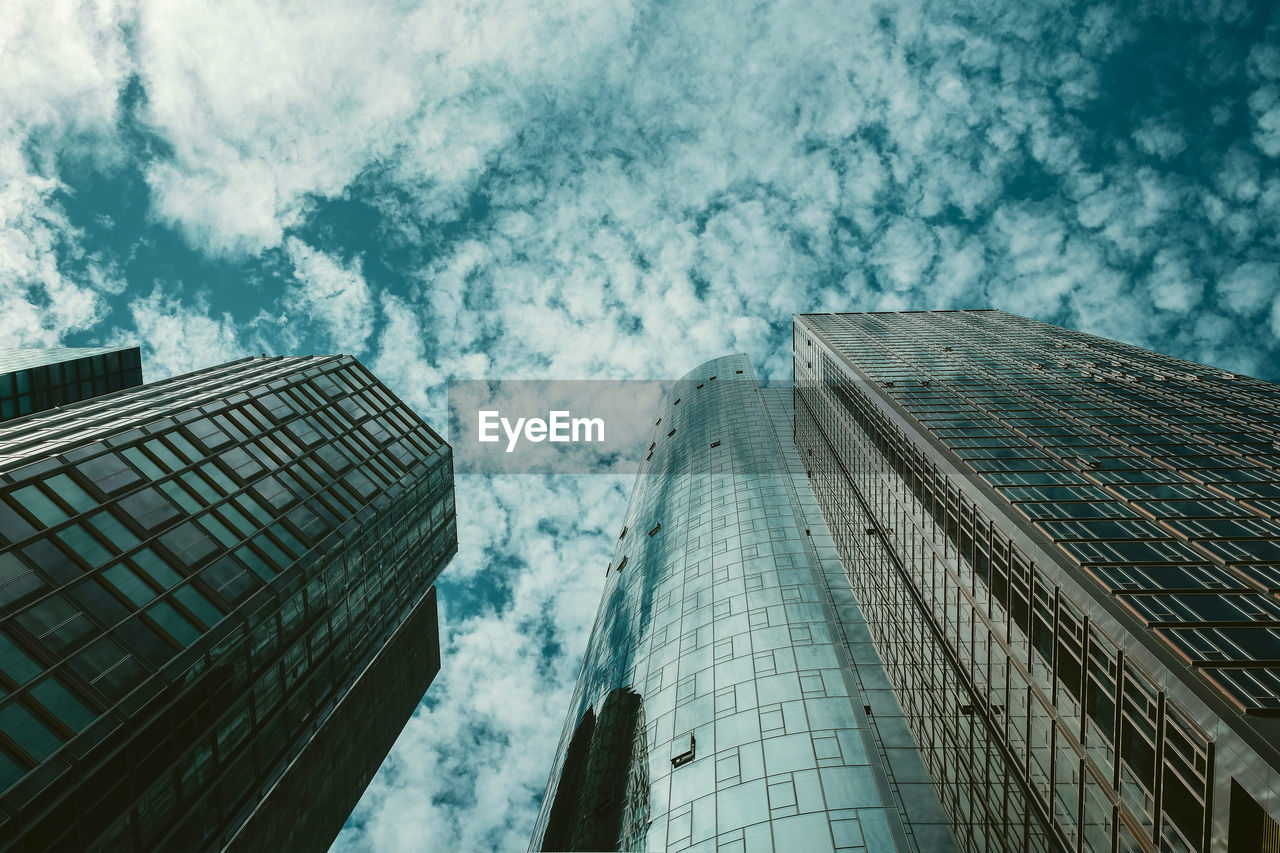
[585, 189]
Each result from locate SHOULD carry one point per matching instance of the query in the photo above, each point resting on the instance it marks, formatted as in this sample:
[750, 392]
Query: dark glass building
[1067, 552]
[216, 606]
[33, 380]
[730, 698]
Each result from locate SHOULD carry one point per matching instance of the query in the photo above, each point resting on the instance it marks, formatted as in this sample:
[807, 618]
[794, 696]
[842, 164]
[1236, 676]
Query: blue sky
[514, 189]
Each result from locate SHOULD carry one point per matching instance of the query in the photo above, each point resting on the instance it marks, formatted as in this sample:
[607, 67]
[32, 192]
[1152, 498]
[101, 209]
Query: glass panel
[15, 663]
[127, 581]
[199, 605]
[65, 488]
[82, 543]
[177, 625]
[54, 696]
[114, 530]
[28, 732]
[36, 502]
[157, 569]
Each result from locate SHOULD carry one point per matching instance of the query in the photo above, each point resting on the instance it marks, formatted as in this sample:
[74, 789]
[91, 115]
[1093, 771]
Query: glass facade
[33, 380]
[1067, 551]
[730, 698]
[216, 606]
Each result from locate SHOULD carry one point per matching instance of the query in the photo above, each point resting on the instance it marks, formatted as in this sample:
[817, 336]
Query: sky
[573, 190]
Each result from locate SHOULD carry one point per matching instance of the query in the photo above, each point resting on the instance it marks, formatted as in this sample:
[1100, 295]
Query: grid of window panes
[752, 734]
[1007, 608]
[33, 380]
[188, 587]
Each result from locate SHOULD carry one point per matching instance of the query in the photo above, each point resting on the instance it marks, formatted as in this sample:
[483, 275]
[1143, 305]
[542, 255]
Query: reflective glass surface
[1080, 529]
[33, 380]
[730, 698]
[199, 580]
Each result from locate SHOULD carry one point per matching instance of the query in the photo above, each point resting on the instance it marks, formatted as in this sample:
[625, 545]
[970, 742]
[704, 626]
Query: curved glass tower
[730, 697]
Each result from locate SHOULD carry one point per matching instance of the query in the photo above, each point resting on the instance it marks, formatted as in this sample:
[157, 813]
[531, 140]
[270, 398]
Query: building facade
[730, 698]
[1067, 553]
[34, 380]
[216, 606]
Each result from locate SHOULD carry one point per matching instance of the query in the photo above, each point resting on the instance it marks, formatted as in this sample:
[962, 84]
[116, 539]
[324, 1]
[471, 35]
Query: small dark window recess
[715, 444]
[871, 531]
[808, 343]
[946, 349]
[889, 384]
[656, 528]
[809, 364]
[623, 534]
[997, 709]
[682, 750]
[652, 445]
[806, 532]
[607, 569]
[810, 451]
[677, 402]
[658, 421]
[967, 710]
[737, 371]
[700, 386]
[712, 379]
[650, 456]
[622, 565]
[673, 432]
[925, 382]
[808, 473]
[866, 709]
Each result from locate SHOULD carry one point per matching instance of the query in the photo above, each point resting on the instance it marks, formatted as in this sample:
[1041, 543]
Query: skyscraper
[730, 697]
[216, 606]
[33, 380]
[1066, 550]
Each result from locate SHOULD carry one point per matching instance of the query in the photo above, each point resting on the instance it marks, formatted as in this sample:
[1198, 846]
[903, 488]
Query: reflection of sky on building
[1069, 522]
[717, 612]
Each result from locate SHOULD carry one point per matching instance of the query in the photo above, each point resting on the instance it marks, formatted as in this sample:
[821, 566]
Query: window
[174, 623]
[15, 663]
[63, 704]
[28, 732]
[40, 505]
[126, 580]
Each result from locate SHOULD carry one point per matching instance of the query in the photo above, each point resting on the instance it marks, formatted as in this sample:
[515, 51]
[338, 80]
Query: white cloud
[1265, 104]
[1173, 285]
[1250, 287]
[1161, 139]
[401, 362]
[904, 253]
[333, 294]
[178, 336]
[467, 772]
[61, 66]
[268, 107]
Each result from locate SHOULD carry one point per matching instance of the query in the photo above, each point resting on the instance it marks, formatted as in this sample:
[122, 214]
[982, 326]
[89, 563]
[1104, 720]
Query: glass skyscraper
[33, 380]
[1067, 552]
[217, 608]
[731, 698]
